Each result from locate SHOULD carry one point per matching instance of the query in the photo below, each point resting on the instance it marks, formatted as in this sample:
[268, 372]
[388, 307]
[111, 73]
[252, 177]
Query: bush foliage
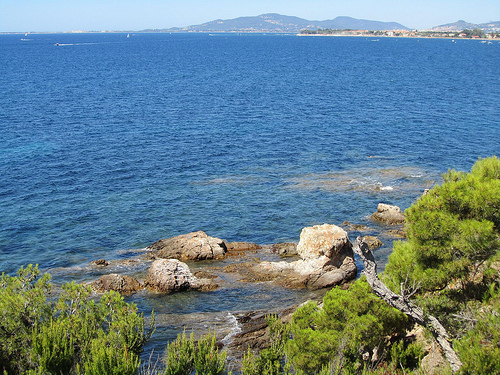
[350, 329]
[271, 360]
[72, 335]
[453, 231]
[480, 347]
[183, 356]
[452, 253]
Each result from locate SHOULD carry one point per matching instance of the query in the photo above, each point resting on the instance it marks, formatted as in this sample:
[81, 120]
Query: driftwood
[403, 304]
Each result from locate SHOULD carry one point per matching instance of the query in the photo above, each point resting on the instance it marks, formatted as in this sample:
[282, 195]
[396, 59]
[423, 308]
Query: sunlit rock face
[326, 260]
[191, 246]
[389, 214]
[172, 275]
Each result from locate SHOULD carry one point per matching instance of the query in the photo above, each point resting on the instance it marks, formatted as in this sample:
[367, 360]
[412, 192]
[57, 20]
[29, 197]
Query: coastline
[273, 33]
[396, 37]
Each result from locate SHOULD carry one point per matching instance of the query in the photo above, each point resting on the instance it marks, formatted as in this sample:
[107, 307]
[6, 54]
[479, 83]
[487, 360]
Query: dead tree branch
[403, 304]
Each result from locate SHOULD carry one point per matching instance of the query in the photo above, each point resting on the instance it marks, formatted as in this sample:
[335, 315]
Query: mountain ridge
[274, 22]
[460, 25]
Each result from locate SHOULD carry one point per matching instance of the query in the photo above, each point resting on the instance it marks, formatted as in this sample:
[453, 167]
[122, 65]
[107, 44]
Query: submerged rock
[354, 227]
[286, 249]
[237, 248]
[397, 233]
[99, 263]
[171, 275]
[389, 214]
[372, 242]
[191, 246]
[119, 283]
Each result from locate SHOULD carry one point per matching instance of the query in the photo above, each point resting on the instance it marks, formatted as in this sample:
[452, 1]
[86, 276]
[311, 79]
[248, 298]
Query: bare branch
[403, 304]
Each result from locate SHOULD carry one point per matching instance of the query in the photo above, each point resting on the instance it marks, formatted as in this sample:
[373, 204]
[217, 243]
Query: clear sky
[67, 15]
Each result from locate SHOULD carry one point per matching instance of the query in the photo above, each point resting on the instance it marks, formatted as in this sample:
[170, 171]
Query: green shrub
[452, 231]
[69, 336]
[207, 359]
[351, 324]
[183, 356]
[179, 356]
[54, 347]
[270, 361]
[104, 358]
[22, 305]
[406, 356]
[479, 349]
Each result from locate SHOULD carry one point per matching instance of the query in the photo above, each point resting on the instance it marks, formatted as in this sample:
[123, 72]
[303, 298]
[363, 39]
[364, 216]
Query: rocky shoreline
[321, 259]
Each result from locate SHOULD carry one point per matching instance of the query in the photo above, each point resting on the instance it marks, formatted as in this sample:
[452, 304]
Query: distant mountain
[277, 23]
[462, 25]
[359, 24]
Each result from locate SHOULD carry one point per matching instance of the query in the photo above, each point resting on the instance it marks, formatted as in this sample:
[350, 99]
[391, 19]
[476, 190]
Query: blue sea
[109, 143]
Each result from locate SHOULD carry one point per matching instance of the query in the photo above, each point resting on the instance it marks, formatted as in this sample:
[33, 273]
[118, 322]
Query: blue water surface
[110, 143]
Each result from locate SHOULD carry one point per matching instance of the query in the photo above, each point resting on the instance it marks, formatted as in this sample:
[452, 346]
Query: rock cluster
[326, 260]
[164, 276]
[191, 246]
[324, 251]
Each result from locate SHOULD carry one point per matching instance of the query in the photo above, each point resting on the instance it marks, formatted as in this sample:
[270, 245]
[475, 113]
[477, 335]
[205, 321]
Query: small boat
[128, 35]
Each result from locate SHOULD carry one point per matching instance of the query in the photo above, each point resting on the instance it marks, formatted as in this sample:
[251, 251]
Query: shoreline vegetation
[447, 270]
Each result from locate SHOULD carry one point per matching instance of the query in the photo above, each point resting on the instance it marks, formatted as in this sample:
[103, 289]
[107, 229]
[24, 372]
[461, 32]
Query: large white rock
[327, 259]
[329, 241]
[171, 275]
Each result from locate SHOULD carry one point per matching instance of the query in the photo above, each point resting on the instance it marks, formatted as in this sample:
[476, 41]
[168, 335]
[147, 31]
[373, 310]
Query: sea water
[109, 143]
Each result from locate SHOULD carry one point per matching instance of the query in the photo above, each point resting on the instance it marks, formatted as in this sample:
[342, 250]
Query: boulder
[389, 214]
[191, 246]
[325, 240]
[171, 275]
[119, 283]
[312, 273]
[327, 259]
[329, 275]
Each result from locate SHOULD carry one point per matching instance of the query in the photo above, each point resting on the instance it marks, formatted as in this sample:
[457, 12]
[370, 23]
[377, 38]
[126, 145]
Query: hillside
[277, 23]
[462, 25]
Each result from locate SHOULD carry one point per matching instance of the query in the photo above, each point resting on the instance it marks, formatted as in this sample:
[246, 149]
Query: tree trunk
[404, 305]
